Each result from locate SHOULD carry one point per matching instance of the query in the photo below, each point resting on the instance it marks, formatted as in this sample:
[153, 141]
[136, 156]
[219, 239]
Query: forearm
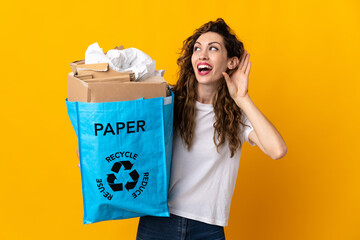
[270, 139]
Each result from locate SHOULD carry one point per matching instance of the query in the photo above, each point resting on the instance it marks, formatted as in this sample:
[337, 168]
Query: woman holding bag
[214, 115]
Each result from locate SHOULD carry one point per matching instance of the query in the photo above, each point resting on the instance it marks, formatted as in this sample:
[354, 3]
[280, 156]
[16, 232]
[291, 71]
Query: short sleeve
[246, 129]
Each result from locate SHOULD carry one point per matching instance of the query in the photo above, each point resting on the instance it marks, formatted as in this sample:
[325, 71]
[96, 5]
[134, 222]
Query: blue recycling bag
[125, 153]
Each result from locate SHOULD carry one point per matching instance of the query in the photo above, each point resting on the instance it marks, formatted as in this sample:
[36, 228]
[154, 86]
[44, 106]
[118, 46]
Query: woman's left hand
[239, 80]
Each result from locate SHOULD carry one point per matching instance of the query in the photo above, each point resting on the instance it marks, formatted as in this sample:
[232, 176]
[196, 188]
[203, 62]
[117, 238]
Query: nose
[203, 55]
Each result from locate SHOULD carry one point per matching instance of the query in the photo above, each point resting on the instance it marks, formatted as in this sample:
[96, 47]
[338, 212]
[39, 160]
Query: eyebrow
[209, 43]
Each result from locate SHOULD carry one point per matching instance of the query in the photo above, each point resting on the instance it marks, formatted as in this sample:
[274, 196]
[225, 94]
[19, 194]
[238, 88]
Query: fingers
[242, 59]
[226, 76]
[229, 82]
[246, 60]
[247, 70]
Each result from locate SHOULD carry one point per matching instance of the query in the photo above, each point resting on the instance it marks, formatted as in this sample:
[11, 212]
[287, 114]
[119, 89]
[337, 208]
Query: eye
[196, 48]
[213, 48]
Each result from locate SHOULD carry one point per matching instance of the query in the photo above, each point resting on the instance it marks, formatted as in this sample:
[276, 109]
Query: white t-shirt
[202, 179]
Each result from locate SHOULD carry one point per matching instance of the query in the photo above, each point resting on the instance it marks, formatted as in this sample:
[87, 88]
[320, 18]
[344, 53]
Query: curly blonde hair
[227, 114]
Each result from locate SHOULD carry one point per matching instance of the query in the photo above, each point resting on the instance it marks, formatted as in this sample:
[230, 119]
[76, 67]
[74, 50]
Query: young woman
[214, 115]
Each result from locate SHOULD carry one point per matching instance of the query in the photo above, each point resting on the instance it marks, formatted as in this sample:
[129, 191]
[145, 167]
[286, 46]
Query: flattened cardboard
[87, 83]
[121, 78]
[109, 73]
[94, 67]
[74, 64]
[85, 76]
[81, 91]
[82, 61]
[98, 70]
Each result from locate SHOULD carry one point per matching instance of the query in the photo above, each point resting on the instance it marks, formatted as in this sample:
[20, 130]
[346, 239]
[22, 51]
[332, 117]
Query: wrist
[241, 101]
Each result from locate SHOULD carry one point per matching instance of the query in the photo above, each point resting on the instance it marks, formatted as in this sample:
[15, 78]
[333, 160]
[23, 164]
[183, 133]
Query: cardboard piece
[104, 74]
[109, 91]
[85, 76]
[102, 67]
[121, 78]
[74, 64]
[99, 83]
[98, 70]
[82, 61]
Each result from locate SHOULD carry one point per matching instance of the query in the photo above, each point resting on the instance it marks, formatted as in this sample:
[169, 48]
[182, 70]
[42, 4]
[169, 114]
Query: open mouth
[204, 68]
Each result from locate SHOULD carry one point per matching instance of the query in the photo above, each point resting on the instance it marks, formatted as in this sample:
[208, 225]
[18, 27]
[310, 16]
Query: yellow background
[304, 77]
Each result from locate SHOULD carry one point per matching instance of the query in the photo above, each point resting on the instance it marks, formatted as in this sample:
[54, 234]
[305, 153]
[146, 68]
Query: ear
[233, 62]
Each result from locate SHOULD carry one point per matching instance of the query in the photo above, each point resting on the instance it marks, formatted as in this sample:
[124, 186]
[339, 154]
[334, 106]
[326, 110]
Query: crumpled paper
[130, 59]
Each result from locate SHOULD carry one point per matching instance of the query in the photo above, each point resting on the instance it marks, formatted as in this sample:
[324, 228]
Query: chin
[208, 80]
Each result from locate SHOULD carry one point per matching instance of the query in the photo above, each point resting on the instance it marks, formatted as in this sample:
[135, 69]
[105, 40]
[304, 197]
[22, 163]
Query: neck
[205, 93]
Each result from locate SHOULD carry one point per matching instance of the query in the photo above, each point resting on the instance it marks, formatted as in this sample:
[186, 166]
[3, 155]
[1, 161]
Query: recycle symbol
[116, 168]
